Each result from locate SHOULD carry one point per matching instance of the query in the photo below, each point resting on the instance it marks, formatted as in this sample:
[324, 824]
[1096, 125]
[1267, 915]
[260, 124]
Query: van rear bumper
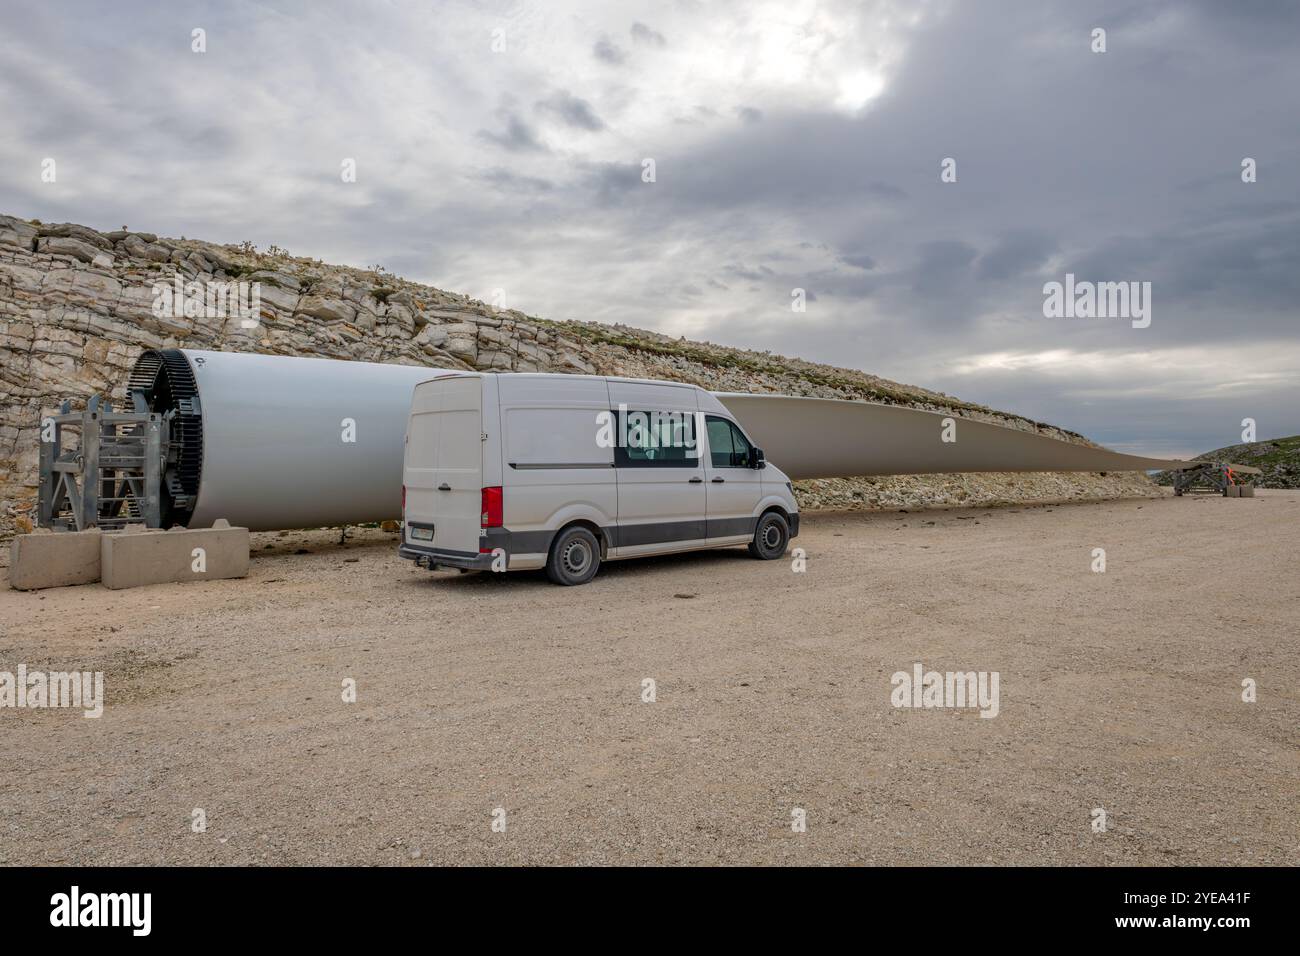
[429, 557]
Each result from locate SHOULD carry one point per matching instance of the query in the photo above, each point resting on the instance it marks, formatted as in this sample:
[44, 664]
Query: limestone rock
[272, 277]
[278, 298]
[432, 335]
[328, 309]
[68, 246]
[70, 230]
[137, 248]
[15, 232]
[494, 361]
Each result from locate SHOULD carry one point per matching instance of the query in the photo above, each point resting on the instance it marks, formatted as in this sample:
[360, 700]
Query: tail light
[492, 508]
[403, 501]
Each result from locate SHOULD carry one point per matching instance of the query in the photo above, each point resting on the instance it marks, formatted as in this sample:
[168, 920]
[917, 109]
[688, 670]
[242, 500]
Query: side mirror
[756, 459]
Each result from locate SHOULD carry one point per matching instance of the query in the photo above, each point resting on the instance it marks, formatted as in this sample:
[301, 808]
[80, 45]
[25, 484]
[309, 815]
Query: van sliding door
[661, 503]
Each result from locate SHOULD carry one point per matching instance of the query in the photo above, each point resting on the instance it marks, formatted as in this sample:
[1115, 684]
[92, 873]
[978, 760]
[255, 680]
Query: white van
[515, 471]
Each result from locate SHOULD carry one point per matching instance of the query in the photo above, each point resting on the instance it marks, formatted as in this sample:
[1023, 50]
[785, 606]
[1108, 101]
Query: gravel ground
[1119, 690]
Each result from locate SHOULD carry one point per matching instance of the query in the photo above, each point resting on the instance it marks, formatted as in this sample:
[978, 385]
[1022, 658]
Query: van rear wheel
[770, 537]
[574, 558]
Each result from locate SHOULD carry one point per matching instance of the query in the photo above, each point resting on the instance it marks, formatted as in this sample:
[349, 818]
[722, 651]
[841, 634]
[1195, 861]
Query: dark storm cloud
[1015, 254]
[943, 264]
[605, 49]
[622, 185]
[885, 191]
[573, 110]
[739, 271]
[505, 179]
[644, 34]
[1252, 25]
[516, 136]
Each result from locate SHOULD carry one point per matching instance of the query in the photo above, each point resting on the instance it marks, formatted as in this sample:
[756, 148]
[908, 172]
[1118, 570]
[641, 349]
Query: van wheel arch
[575, 554]
[771, 534]
[591, 526]
[770, 509]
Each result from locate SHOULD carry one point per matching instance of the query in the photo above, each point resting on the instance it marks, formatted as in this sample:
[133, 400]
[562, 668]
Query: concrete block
[1247, 491]
[1232, 491]
[132, 559]
[54, 560]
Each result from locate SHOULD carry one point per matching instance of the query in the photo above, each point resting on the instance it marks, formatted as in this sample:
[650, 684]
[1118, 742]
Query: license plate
[422, 534]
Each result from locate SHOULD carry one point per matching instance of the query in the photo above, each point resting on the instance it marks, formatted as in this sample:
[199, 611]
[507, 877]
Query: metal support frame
[1214, 476]
[111, 477]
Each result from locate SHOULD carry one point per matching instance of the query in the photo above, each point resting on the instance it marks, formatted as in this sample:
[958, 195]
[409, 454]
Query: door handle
[697, 481]
[444, 487]
[718, 481]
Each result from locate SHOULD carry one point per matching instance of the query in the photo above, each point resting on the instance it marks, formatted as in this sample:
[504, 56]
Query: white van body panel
[539, 437]
[553, 470]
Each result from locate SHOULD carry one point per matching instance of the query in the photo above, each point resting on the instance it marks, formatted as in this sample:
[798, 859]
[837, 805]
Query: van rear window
[554, 436]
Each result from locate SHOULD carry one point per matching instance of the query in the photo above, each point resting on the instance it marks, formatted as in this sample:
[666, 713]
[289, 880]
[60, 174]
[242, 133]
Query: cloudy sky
[795, 145]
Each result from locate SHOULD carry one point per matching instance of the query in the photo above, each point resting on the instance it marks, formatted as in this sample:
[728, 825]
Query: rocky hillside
[1278, 461]
[76, 308]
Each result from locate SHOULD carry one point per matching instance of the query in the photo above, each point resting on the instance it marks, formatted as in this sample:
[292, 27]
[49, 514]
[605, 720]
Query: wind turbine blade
[830, 438]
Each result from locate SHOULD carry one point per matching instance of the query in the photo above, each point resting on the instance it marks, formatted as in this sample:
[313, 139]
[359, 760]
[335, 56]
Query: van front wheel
[770, 537]
[575, 557]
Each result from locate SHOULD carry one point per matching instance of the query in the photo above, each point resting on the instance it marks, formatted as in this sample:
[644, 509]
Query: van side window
[728, 447]
[654, 439]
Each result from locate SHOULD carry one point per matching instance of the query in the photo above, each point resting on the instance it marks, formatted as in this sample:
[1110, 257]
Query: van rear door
[444, 465]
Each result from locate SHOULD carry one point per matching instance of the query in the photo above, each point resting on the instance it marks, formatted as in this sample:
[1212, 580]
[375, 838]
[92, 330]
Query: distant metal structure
[1218, 476]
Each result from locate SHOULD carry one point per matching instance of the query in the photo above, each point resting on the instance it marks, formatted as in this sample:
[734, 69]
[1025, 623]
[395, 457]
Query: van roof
[708, 401]
[567, 376]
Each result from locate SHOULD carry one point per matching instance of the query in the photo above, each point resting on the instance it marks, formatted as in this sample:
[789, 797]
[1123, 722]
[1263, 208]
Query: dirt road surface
[1118, 691]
